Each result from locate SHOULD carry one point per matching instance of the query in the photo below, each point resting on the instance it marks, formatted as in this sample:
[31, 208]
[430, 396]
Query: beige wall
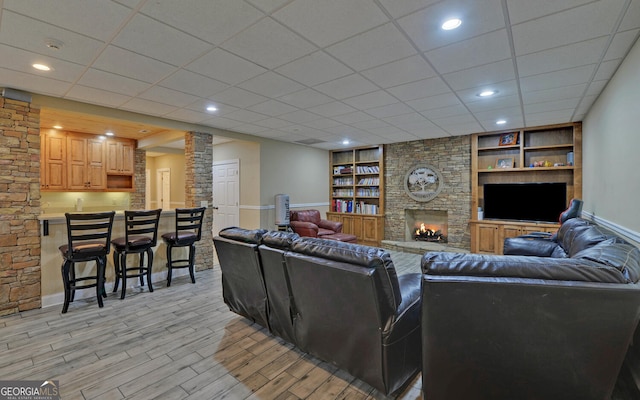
[611, 185]
[176, 163]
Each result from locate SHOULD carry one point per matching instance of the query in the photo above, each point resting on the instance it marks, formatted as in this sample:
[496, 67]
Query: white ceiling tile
[502, 89]
[481, 76]
[353, 117]
[437, 101]
[372, 48]
[573, 55]
[305, 98]
[156, 40]
[584, 106]
[512, 123]
[390, 110]
[371, 100]
[631, 18]
[132, 65]
[21, 60]
[187, 115]
[575, 25]
[329, 21]
[245, 116]
[429, 132]
[314, 69]
[299, 117]
[372, 124]
[271, 85]
[463, 119]
[268, 44]
[332, 109]
[394, 135]
[553, 105]
[30, 34]
[268, 6]
[272, 108]
[249, 129]
[520, 11]
[405, 119]
[96, 96]
[565, 77]
[478, 17]
[273, 123]
[113, 83]
[447, 111]
[621, 44]
[28, 82]
[96, 19]
[493, 103]
[607, 69]
[238, 97]
[222, 123]
[168, 96]
[148, 107]
[222, 109]
[546, 118]
[191, 82]
[464, 129]
[322, 123]
[225, 67]
[560, 93]
[396, 73]
[484, 49]
[348, 86]
[596, 87]
[214, 22]
[419, 89]
[400, 8]
[508, 113]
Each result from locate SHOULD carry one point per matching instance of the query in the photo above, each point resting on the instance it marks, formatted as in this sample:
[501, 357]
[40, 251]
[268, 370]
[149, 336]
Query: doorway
[163, 185]
[226, 193]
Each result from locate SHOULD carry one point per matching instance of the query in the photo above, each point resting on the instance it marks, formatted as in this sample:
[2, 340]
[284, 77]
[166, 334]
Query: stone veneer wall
[139, 180]
[198, 151]
[452, 156]
[19, 206]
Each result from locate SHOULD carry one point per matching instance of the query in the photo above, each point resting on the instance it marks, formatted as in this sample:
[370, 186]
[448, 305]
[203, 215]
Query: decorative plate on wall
[423, 182]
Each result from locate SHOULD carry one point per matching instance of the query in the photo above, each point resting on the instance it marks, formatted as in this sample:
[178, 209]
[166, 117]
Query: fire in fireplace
[429, 234]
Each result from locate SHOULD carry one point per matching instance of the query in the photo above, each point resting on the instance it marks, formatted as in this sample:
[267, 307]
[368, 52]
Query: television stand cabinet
[487, 236]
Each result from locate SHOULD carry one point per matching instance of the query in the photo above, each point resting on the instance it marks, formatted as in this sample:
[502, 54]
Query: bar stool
[88, 238]
[188, 231]
[140, 237]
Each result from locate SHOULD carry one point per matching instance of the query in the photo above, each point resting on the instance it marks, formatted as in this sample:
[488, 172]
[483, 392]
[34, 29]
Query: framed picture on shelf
[508, 139]
[506, 162]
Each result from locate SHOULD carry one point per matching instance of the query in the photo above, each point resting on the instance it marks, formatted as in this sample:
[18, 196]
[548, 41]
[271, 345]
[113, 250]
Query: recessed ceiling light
[346, 141]
[487, 93]
[102, 137]
[501, 122]
[41, 67]
[451, 24]
[109, 133]
[57, 127]
[212, 108]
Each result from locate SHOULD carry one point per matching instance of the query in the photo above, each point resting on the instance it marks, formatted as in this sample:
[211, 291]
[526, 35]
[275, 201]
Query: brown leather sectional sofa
[340, 302]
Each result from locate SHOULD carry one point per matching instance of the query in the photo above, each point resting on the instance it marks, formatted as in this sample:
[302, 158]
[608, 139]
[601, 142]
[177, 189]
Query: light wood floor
[180, 342]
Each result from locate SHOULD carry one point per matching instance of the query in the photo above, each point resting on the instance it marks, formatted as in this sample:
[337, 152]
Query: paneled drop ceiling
[319, 71]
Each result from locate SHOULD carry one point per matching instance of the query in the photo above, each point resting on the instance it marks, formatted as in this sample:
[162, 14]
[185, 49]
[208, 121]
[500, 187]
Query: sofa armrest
[521, 246]
[331, 225]
[308, 229]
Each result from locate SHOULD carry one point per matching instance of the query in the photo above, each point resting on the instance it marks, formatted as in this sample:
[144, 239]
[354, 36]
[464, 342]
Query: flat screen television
[539, 202]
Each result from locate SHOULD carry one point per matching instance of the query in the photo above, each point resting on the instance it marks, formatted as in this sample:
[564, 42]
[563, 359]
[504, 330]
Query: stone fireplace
[451, 208]
[426, 225]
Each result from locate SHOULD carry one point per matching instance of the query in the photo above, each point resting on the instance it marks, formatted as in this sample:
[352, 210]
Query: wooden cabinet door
[127, 150]
[120, 157]
[487, 239]
[347, 224]
[53, 159]
[370, 230]
[77, 163]
[95, 164]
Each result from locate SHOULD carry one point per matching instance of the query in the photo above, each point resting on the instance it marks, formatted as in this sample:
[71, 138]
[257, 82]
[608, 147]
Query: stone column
[139, 180]
[19, 206]
[198, 153]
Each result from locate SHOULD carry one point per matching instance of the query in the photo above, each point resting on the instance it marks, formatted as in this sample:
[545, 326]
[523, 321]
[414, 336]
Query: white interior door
[164, 188]
[226, 194]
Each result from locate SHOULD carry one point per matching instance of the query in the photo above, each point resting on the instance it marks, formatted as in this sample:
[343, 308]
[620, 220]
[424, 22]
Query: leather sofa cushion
[613, 253]
[523, 246]
[243, 235]
[312, 216]
[364, 256]
[525, 267]
[279, 240]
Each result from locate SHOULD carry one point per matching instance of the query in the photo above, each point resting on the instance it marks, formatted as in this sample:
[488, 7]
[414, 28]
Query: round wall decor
[423, 182]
